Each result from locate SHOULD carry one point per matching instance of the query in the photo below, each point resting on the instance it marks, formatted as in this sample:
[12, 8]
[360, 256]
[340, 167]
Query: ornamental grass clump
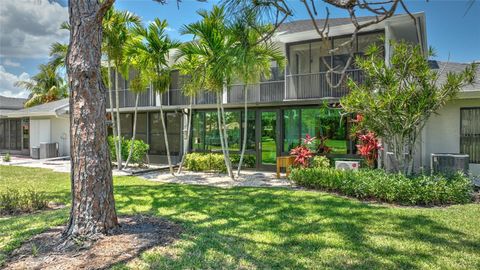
[392, 188]
[14, 201]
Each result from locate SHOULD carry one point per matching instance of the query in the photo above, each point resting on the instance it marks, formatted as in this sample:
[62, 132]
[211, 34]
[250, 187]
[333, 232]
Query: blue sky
[27, 27]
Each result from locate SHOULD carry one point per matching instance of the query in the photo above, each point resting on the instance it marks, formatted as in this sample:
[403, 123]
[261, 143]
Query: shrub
[320, 162]
[382, 186]
[7, 157]
[140, 150]
[205, 162]
[249, 161]
[15, 201]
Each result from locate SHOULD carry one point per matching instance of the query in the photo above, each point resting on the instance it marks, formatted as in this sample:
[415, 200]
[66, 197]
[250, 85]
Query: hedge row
[383, 186]
[214, 162]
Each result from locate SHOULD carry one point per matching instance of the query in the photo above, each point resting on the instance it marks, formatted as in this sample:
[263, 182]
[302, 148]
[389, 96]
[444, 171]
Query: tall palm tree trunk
[117, 105]
[245, 122]
[112, 114]
[224, 138]
[167, 148]
[220, 133]
[189, 128]
[132, 142]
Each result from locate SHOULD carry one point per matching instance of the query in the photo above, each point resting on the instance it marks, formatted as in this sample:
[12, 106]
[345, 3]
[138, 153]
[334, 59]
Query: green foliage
[249, 161]
[205, 162]
[16, 201]
[7, 157]
[320, 162]
[398, 97]
[140, 150]
[379, 185]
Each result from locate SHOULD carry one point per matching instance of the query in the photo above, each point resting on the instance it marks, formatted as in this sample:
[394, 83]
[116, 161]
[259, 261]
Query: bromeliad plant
[368, 147]
[302, 156]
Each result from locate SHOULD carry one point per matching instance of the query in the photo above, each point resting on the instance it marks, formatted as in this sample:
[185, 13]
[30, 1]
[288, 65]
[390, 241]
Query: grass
[265, 228]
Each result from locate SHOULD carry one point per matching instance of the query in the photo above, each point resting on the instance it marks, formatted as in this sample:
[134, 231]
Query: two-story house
[285, 108]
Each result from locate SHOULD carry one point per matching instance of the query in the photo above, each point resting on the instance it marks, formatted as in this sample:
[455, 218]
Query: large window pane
[333, 127]
[291, 127]
[232, 120]
[365, 40]
[157, 146]
[251, 131]
[212, 139]
[311, 122]
[174, 126]
[126, 124]
[299, 61]
[198, 131]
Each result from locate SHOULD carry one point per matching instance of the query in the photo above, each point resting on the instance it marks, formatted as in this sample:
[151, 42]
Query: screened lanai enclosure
[14, 135]
[272, 132]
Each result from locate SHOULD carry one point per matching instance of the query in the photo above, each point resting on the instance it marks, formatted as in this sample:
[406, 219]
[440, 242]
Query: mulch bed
[135, 235]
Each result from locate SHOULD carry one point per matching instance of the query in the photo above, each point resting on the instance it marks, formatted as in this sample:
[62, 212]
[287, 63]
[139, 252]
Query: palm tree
[254, 56]
[153, 49]
[138, 84]
[45, 86]
[214, 46]
[192, 82]
[116, 25]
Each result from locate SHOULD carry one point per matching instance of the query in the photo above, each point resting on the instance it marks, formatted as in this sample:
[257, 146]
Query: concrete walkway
[247, 179]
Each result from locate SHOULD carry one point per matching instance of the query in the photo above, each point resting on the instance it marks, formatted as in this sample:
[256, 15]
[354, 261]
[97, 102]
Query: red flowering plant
[302, 155]
[368, 147]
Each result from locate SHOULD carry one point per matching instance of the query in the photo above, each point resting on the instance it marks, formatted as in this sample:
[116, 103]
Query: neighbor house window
[470, 133]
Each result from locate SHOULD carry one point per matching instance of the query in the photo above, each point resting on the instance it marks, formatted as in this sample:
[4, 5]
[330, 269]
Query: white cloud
[7, 81]
[29, 27]
[10, 63]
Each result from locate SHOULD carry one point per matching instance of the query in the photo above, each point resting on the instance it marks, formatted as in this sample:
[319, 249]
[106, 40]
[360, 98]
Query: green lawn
[264, 228]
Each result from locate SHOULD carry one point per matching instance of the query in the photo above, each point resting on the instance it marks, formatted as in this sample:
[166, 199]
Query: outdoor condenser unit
[449, 163]
[35, 153]
[48, 150]
[346, 165]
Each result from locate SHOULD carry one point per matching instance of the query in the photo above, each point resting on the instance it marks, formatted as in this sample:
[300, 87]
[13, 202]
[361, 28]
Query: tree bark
[132, 141]
[93, 205]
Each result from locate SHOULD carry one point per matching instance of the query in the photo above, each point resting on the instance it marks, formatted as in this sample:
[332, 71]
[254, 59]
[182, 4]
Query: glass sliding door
[267, 138]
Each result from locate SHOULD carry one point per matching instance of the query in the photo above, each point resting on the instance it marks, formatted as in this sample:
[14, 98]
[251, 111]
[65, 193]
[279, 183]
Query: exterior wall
[51, 130]
[442, 132]
[39, 131]
[60, 134]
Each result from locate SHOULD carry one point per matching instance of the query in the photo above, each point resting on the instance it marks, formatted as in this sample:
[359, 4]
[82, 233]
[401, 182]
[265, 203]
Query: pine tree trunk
[93, 206]
[244, 141]
[114, 123]
[132, 141]
[165, 138]
[189, 128]
[117, 108]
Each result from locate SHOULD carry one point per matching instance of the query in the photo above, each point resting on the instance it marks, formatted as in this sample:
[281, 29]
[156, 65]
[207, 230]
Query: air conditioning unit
[346, 165]
[449, 163]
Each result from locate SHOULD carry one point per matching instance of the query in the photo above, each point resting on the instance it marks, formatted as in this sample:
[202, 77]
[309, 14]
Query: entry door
[267, 138]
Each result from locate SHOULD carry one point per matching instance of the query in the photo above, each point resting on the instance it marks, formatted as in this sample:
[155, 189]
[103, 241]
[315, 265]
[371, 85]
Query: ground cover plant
[388, 187]
[265, 228]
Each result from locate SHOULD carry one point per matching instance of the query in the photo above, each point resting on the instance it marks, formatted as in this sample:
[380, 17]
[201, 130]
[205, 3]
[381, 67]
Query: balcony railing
[315, 85]
[127, 98]
[263, 92]
[299, 86]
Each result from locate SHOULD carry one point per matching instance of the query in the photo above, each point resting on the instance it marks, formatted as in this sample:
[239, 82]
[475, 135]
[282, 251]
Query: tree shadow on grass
[279, 228]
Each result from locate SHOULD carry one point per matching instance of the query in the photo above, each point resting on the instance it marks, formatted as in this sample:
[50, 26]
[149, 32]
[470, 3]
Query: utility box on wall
[447, 163]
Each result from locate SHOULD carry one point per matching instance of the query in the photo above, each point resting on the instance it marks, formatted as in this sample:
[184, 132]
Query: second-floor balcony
[293, 87]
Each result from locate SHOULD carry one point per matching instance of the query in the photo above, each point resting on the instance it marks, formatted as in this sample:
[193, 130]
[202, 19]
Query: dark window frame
[462, 136]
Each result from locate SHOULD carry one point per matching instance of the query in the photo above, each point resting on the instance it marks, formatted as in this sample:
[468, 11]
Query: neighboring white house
[455, 128]
[49, 123]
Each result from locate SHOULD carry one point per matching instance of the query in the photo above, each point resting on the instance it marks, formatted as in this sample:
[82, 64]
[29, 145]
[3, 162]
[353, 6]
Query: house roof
[47, 109]
[307, 25]
[10, 103]
[445, 67]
